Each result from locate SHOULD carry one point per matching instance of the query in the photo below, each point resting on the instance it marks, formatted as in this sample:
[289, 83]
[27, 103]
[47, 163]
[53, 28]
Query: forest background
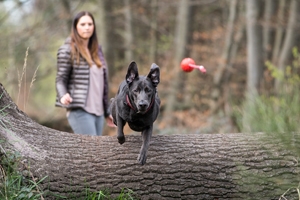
[245, 45]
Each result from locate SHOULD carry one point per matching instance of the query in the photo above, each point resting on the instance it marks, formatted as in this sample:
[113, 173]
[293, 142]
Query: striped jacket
[73, 78]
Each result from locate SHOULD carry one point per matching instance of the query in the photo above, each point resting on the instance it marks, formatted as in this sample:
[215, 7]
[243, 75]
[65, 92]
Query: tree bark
[153, 31]
[180, 42]
[279, 31]
[267, 30]
[216, 93]
[128, 32]
[228, 43]
[192, 166]
[103, 35]
[254, 47]
[109, 35]
[289, 40]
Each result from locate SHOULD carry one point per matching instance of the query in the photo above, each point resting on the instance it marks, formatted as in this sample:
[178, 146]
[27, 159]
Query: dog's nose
[143, 105]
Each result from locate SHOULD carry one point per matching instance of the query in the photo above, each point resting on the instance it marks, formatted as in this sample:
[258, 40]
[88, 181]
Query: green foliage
[126, 194]
[270, 114]
[95, 195]
[276, 113]
[14, 185]
[290, 76]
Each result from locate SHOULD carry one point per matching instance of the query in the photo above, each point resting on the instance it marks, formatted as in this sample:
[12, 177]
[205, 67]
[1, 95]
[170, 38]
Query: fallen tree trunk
[190, 166]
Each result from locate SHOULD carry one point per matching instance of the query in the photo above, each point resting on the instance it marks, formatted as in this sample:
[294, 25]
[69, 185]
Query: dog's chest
[138, 126]
[139, 122]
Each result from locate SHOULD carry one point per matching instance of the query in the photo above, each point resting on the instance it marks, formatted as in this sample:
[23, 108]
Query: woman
[81, 80]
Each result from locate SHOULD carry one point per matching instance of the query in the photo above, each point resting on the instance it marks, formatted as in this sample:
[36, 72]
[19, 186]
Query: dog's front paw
[121, 139]
[142, 158]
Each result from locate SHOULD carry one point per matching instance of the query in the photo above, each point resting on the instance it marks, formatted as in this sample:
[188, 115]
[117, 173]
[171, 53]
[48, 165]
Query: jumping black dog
[137, 103]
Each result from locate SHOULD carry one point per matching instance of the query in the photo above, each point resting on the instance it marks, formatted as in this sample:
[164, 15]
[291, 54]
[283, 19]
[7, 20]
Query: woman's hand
[66, 99]
[109, 121]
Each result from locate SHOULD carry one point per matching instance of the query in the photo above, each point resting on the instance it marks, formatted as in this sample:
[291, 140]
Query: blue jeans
[85, 123]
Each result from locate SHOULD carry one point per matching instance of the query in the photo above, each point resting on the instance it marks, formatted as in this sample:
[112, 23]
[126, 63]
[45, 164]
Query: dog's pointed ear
[154, 74]
[132, 72]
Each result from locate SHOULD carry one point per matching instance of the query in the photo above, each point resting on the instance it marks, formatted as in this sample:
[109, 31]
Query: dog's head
[142, 89]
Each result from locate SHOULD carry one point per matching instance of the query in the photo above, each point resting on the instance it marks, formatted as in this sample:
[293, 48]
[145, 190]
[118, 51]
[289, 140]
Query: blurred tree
[102, 25]
[128, 33]
[180, 42]
[107, 36]
[224, 62]
[267, 28]
[289, 39]
[153, 31]
[279, 31]
[254, 46]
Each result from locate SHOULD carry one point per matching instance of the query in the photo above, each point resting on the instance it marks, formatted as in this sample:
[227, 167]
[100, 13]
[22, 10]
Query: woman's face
[85, 27]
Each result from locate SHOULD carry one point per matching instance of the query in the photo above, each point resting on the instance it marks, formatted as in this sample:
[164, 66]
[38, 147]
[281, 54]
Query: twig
[20, 78]
[31, 83]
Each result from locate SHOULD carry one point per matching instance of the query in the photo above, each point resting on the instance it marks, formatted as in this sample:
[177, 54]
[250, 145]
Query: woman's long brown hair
[77, 45]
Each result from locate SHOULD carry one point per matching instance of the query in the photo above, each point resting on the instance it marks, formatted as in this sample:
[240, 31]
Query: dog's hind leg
[146, 136]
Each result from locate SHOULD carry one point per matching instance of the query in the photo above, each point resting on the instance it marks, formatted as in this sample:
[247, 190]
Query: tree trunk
[192, 166]
[239, 38]
[289, 39]
[228, 42]
[128, 32]
[110, 52]
[102, 26]
[216, 93]
[268, 13]
[182, 26]
[279, 31]
[153, 31]
[254, 47]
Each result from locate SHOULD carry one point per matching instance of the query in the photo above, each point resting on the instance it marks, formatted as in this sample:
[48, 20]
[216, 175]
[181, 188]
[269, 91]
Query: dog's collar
[130, 105]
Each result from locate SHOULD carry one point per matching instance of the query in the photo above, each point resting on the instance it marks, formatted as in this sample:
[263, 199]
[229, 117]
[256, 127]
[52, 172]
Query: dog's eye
[147, 90]
[135, 90]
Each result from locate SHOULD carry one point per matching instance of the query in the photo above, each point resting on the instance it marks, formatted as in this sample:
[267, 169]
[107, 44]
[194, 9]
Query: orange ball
[185, 64]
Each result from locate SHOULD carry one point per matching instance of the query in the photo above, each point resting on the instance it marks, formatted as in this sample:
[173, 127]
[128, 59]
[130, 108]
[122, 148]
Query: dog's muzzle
[142, 106]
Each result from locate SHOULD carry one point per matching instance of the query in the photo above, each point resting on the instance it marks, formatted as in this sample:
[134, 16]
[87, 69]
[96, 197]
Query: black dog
[137, 103]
